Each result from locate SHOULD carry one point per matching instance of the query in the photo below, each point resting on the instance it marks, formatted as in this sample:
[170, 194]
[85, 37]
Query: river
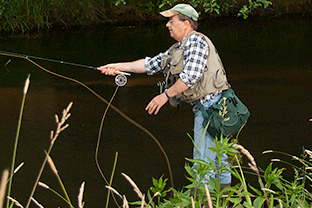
[268, 64]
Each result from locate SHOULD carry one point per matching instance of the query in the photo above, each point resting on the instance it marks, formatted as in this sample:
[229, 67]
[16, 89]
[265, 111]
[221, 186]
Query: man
[193, 71]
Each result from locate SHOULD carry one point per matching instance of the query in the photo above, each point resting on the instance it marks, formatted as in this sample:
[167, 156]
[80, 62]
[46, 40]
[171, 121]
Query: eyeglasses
[172, 21]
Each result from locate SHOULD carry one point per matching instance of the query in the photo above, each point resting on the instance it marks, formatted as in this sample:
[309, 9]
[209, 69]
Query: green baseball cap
[184, 9]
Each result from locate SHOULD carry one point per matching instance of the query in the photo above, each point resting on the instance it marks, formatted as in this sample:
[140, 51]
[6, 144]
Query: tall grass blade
[80, 196]
[17, 136]
[3, 186]
[37, 203]
[15, 202]
[43, 185]
[111, 179]
[53, 138]
[208, 196]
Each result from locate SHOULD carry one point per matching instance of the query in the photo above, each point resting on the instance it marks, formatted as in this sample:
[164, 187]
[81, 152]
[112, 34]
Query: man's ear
[187, 23]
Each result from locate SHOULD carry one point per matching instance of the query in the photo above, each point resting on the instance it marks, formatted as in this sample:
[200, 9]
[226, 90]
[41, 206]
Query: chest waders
[213, 78]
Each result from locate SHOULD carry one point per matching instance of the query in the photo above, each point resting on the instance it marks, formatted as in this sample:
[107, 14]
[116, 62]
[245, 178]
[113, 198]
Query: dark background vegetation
[31, 15]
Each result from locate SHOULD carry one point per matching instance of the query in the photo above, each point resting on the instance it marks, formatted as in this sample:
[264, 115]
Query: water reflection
[268, 65]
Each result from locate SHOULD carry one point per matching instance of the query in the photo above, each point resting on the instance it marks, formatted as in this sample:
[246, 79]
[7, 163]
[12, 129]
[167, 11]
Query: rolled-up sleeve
[195, 59]
[153, 65]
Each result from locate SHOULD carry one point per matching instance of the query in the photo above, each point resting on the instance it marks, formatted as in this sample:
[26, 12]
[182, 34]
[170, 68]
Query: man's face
[176, 28]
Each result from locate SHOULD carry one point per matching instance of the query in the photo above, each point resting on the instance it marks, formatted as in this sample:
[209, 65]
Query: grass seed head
[43, 185]
[37, 203]
[135, 187]
[52, 165]
[80, 196]
[15, 202]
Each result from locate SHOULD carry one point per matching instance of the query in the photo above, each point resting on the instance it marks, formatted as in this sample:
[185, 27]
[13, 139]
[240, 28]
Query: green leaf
[258, 202]
[235, 201]
[159, 186]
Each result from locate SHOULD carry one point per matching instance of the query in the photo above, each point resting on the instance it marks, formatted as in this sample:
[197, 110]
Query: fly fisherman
[193, 71]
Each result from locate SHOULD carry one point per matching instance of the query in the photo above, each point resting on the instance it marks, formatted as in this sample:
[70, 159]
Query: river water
[268, 65]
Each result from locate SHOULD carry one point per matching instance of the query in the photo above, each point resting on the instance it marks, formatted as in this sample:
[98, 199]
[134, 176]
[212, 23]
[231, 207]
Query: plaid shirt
[196, 51]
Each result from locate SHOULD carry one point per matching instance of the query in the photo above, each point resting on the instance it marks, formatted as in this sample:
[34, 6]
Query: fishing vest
[213, 78]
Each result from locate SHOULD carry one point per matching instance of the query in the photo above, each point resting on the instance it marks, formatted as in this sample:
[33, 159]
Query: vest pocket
[219, 79]
[176, 62]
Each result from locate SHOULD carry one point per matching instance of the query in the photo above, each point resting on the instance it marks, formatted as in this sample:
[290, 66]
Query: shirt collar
[179, 43]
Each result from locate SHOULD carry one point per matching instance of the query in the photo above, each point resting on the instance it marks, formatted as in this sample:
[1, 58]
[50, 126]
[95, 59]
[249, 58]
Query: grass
[17, 134]
[30, 15]
[61, 126]
[3, 183]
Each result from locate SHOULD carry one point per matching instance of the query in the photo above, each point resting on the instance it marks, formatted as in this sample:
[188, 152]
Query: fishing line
[98, 142]
[100, 133]
[98, 96]
[6, 65]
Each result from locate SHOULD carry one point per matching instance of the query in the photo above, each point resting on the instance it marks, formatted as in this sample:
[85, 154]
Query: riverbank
[33, 15]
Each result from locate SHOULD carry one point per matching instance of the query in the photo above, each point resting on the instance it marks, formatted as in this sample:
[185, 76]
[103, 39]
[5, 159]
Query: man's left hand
[155, 104]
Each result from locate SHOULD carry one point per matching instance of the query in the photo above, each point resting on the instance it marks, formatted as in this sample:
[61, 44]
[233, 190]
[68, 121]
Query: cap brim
[168, 13]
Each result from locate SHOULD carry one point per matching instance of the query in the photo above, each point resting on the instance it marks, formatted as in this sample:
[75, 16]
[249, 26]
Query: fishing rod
[120, 79]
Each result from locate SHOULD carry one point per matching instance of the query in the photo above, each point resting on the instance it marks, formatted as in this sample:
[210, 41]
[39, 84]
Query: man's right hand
[137, 67]
[110, 69]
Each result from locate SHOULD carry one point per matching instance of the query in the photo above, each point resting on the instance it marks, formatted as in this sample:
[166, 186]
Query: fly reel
[121, 80]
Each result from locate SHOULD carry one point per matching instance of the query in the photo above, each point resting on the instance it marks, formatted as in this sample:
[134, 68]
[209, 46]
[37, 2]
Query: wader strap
[201, 107]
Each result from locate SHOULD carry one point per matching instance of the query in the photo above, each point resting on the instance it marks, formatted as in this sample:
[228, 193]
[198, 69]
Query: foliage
[119, 2]
[159, 186]
[273, 191]
[16, 15]
[247, 9]
[225, 6]
[2, 7]
[22, 16]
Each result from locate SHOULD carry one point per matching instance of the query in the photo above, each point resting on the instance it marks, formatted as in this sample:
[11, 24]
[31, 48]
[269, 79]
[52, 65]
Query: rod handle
[123, 73]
